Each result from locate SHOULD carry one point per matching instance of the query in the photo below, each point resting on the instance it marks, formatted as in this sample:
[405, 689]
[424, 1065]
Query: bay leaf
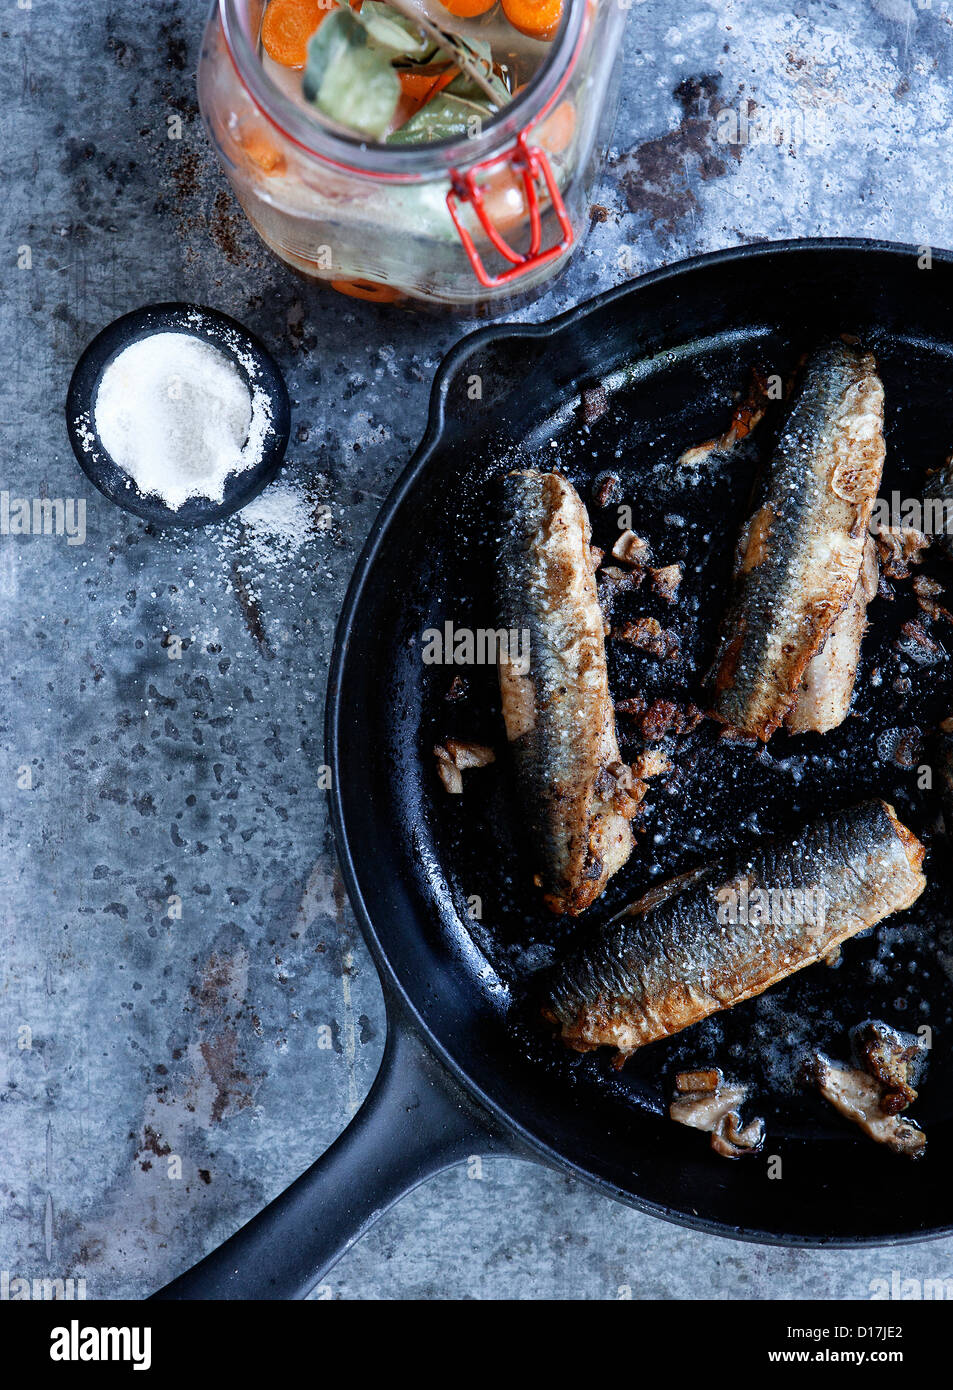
[349, 79]
[480, 54]
[464, 86]
[443, 118]
[390, 30]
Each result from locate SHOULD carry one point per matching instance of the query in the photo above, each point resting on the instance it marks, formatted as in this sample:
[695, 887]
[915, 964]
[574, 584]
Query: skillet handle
[415, 1122]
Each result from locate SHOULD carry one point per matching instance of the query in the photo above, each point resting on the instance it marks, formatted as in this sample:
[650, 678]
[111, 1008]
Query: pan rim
[533, 1147]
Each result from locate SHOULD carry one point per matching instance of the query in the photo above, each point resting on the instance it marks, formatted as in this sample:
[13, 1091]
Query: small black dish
[258, 370]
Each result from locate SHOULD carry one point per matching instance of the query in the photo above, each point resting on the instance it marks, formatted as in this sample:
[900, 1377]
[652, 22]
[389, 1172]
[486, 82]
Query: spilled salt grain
[175, 414]
[277, 520]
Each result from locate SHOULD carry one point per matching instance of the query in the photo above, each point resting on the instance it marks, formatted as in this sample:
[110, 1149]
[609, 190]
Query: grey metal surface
[132, 780]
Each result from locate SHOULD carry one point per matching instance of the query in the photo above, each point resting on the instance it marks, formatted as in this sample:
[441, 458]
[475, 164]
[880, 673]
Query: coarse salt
[175, 414]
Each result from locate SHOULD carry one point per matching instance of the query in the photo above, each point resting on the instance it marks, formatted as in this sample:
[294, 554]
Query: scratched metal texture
[151, 1036]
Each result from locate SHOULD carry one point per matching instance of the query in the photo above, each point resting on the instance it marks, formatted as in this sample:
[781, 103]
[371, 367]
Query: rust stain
[233, 1086]
[655, 176]
[227, 229]
[251, 612]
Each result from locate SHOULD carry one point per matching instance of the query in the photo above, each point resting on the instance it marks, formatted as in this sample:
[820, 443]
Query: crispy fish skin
[668, 961]
[800, 553]
[559, 717]
[827, 689]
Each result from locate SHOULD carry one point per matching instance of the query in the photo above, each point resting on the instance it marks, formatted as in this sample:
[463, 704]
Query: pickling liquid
[310, 245]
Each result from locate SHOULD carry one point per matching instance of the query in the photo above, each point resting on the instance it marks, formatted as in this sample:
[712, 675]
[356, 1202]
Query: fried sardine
[801, 551]
[696, 945]
[559, 718]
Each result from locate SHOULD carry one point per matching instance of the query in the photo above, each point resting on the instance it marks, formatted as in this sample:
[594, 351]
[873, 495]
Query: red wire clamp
[530, 163]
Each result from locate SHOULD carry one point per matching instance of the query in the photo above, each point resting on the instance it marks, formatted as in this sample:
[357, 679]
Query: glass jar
[462, 223]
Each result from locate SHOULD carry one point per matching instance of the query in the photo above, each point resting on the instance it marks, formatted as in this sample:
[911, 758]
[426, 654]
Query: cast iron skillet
[441, 886]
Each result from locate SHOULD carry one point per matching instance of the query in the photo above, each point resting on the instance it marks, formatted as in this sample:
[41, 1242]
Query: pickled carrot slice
[467, 9]
[556, 131]
[504, 199]
[372, 290]
[537, 19]
[416, 85]
[287, 27]
[417, 88]
[421, 86]
[262, 152]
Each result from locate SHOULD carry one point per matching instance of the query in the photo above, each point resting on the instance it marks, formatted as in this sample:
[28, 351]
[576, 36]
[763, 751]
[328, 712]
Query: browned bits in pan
[657, 719]
[666, 581]
[603, 489]
[916, 643]
[595, 403]
[707, 1102]
[894, 1059]
[649, 636]
[456, 756]
[631, 549]
[615, 583]
[869, 1104]
[900, 548]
